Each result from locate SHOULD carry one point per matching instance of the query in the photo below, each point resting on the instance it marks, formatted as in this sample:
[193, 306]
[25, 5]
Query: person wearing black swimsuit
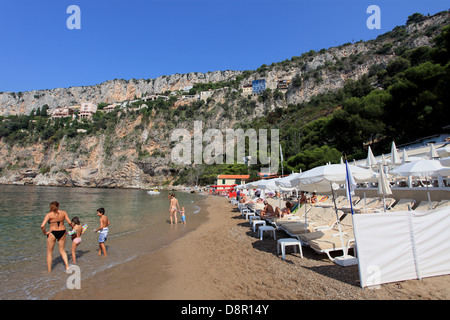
[57, 233]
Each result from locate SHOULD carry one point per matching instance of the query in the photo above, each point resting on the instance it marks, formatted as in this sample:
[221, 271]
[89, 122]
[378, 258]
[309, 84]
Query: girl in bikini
[57, 233]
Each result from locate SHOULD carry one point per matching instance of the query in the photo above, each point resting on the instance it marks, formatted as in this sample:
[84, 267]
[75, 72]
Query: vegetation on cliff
[402, 100]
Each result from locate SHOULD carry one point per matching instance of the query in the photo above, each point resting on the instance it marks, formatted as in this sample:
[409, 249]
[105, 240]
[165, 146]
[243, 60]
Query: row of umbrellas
[326, 177]
[320, 179]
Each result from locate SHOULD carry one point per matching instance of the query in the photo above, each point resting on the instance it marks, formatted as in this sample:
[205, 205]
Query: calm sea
[139, 225]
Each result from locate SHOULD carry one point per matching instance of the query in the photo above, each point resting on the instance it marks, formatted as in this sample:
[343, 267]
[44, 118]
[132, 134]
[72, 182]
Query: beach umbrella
[433, 153]
[251, 185]
[370, 159]
[286, 182]
[268, 184]
[421, 168]
[384, 163]
[395, 157]
[405, 158]
[445, 171]
[336, 173]
[384, 188]
[331, 175]
[443, 151]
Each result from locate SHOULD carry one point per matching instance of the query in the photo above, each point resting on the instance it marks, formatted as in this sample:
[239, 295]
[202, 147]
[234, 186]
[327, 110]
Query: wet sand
[224, 259]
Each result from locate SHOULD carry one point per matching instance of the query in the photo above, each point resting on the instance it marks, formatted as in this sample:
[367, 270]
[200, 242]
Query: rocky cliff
[109, 92]
[83, 161]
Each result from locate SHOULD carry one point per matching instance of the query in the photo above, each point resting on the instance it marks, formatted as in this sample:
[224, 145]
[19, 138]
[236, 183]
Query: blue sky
[149, 38]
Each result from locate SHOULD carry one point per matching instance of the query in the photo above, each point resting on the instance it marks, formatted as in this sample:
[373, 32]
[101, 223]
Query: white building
[204, 95]
[247, 89]
[87, 109]
[61, 112]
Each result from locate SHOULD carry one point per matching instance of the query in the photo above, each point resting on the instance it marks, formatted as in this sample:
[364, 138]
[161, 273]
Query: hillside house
[62, 112]
[258, 86]
[87, 109]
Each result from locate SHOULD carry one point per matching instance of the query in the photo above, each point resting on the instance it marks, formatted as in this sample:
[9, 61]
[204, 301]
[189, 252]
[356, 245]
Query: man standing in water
[173, 208]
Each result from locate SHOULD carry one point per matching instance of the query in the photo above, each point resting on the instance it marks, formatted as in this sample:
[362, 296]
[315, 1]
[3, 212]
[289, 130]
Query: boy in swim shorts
[104, 224]
[183, 216]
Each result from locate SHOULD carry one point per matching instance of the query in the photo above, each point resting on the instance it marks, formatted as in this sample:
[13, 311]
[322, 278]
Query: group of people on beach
[174, 207]
[57, 233]
[269, 211]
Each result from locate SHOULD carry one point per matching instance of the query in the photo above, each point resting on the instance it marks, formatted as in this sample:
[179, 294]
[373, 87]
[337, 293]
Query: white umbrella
[267, 184]
[331, 173]
[420, 168]
[445, 161]
[285, 182]
[370, 159]
[334, 173]
[444, 151]
[251, 185]
[395, 157]
[445, 171]
[405, 157]
[433, 153]
[384, 188]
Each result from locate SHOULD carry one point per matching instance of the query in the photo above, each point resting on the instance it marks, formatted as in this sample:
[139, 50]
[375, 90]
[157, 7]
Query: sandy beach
[224, 259]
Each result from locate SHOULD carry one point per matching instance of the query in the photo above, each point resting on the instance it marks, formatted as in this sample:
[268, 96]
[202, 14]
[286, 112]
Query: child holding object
[104, 224]
[76, 233]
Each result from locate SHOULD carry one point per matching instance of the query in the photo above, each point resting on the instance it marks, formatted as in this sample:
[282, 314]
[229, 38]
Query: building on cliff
[62, 112]
[87, 109]
[258, 86]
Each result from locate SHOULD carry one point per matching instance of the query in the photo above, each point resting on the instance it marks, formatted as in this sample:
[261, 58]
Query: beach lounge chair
[318, 218]
[443, 203]
[346, 228]
[370, 205]
[296, 214]
[332, 242]
[403, 205]
[424, 205]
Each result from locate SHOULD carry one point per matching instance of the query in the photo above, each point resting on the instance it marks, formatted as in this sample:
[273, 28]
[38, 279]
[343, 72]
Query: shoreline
[124, 281]
[223, 259]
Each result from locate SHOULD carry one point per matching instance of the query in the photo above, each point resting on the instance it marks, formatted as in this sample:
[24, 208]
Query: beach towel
[294, 208]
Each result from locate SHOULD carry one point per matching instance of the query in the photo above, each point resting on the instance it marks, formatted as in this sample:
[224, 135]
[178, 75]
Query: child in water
[183, 216]
[76, 237]
[104, 224]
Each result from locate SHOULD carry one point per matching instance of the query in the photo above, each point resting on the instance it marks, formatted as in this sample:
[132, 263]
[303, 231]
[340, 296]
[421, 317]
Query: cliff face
[83, 161]
[110, 91]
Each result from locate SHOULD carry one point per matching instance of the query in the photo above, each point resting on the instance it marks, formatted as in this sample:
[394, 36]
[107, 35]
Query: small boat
[153, 192]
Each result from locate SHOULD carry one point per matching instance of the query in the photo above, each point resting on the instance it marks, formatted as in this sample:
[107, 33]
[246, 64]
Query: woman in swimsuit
[57, 233]
[173, 208]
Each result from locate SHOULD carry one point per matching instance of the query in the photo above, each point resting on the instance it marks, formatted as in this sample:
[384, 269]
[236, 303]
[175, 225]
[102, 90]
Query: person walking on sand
[56, 233]
[103, 236]
[174, 207]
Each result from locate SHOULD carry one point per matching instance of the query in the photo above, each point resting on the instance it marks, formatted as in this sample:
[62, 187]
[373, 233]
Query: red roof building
[230, 179]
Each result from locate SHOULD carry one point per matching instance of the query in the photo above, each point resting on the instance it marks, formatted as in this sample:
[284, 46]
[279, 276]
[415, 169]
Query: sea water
[139, 225]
